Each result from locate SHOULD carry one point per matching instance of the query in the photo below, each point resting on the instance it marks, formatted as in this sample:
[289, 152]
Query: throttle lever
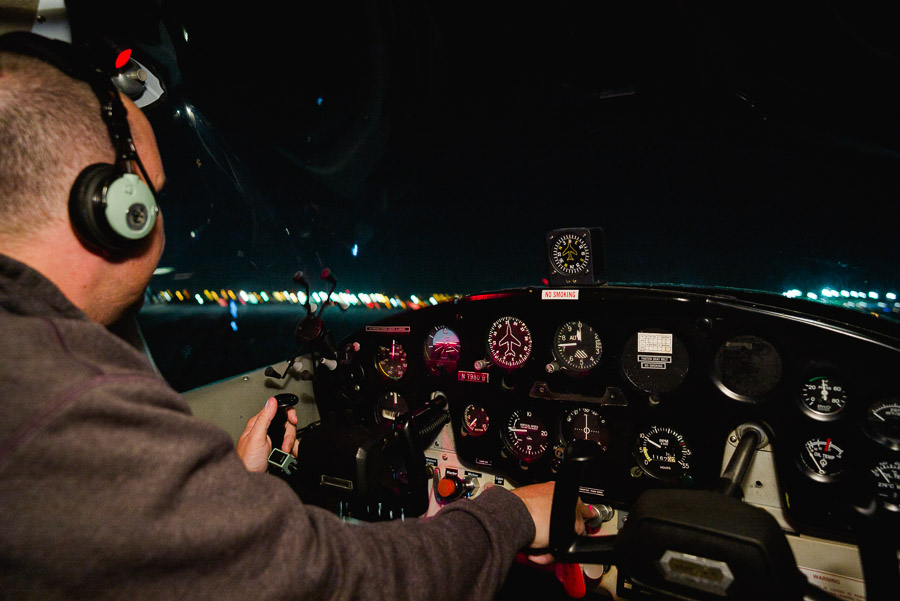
[285, 401]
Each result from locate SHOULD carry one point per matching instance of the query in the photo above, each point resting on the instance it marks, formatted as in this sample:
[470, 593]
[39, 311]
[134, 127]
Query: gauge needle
[655, 444]
[519, 430]
[567, 344]
[813, 457]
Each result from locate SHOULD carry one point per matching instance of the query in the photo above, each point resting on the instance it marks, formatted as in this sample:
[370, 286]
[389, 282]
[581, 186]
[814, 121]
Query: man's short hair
[50, 129]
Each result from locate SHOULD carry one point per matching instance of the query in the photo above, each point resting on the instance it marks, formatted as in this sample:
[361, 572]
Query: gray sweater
[111, 489]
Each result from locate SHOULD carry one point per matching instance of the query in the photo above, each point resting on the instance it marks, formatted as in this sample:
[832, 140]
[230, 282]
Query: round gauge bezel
[467, 428]
[804, 458]
[881, 438]
[644, 461]
[380, 418]
[435, 365]
[570, 267]
[594, 351]
[818, 415]
[892, 504]
[526, 343]
[602, 429]
[379, 360]
[510, 443]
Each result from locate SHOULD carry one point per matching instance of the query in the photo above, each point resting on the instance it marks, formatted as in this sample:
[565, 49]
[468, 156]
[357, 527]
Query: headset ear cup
[86, 204]
[111, 209]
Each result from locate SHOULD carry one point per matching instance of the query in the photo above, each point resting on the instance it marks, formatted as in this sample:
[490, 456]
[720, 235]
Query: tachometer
[525, 435]
[509, 342]
[577, 346]
[662, 453]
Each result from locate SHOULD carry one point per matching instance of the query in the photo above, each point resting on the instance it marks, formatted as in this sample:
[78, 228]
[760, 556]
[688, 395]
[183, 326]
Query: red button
[446, 487]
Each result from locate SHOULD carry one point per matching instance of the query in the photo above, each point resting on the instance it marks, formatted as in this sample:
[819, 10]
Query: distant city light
[163, 270]
[234, 326]
[355, 250]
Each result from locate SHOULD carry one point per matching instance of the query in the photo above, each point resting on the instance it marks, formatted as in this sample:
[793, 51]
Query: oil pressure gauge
[823, 397]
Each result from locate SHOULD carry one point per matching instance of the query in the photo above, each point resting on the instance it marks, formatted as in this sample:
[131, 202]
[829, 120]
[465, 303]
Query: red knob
[447, 487]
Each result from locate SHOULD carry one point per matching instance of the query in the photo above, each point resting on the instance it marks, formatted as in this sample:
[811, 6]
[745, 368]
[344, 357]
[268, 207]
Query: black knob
[285, 401]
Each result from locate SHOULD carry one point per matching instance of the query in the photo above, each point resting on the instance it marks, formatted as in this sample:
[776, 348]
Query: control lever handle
[285, 401]
[565, 544]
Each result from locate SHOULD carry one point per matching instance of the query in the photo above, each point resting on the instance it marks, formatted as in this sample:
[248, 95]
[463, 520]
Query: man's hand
[538, 498]
[254, 444]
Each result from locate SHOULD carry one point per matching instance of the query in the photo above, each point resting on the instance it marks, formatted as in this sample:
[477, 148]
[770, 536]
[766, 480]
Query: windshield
[424, 150]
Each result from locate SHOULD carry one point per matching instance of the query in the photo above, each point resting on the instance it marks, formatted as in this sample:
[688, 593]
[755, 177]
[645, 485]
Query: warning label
[654, 342]
[654, 361]
[843, 587]
[559, 294]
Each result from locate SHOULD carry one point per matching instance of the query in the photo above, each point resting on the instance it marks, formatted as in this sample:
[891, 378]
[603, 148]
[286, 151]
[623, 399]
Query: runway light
[811, 295]
[234, 326]
[355, 250]
[199, 299]
[873, 295]
[890, 296]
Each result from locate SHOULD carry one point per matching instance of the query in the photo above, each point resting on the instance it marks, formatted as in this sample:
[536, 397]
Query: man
[109, 488]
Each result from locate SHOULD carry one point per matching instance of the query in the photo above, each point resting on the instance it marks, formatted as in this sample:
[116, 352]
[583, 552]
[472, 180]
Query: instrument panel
[656, 378]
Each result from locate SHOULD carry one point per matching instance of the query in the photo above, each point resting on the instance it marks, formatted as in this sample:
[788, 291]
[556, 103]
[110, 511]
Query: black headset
[110, 207]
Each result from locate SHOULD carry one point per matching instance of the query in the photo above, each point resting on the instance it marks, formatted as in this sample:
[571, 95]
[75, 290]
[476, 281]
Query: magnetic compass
[570, 254]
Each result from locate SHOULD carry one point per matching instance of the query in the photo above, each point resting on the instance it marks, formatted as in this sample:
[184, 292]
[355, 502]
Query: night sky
[734, 146]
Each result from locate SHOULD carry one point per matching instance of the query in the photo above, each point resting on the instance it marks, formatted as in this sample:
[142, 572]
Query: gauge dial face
[887, 483]
[570, 254]
[883, 423]
[577, 346]
[442, 348]
[389, 406]
[655, 361]
[584, 423]
[663, 454]
[391, 360]
[823, 396]
[822, 458]
[525, 435]
[509, 342]
[475, 421]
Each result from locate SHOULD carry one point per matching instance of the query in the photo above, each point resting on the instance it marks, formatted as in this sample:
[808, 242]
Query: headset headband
[80, 62]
